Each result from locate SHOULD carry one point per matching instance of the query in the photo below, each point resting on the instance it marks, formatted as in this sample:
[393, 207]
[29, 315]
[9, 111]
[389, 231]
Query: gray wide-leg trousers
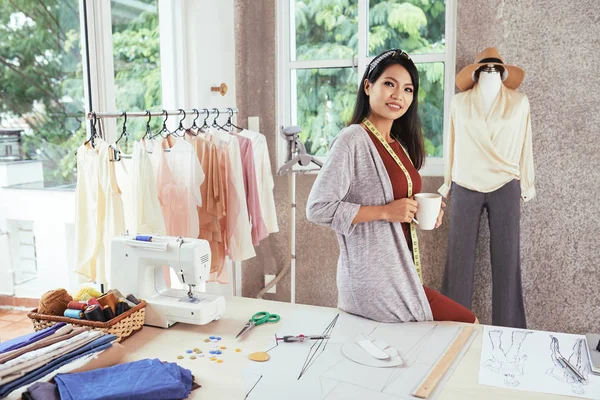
[504, 211]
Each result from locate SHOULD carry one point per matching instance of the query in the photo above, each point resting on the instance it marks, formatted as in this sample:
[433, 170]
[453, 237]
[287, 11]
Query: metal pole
[155, 113]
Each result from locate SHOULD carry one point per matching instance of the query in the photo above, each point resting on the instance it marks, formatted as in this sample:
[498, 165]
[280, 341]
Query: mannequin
[490, 82]
[489, 167]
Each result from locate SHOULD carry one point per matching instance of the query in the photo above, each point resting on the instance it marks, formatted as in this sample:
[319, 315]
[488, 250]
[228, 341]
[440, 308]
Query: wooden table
[225, 380]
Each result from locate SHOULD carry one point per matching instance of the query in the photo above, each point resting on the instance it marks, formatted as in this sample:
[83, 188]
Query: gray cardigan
[376, 276]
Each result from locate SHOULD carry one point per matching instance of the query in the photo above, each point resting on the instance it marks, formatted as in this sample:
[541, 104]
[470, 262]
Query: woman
[362, 193]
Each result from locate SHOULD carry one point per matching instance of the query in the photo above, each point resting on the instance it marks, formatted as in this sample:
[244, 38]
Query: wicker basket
[122, 326]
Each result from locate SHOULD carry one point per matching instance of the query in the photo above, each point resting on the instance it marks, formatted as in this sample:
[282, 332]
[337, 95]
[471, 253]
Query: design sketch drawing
[321, 370]
[507, 357]
[578, 359]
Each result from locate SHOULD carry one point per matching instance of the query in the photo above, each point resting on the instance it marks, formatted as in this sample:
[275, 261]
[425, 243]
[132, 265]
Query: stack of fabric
[35, 356]
[62, 362]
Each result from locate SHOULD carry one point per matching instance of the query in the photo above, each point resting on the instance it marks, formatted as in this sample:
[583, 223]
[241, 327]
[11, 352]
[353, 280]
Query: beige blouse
[483, 153]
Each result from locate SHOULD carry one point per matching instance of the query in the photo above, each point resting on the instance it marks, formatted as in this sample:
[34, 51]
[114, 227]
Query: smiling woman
[379, 270]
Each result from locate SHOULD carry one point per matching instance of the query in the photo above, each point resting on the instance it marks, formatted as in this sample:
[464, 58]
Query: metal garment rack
[146, 113]
[193, 113]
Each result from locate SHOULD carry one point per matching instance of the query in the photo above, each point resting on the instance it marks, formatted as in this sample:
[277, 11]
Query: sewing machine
[136, 267]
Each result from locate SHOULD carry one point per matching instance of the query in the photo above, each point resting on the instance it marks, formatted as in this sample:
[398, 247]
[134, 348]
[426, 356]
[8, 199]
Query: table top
[225, 380]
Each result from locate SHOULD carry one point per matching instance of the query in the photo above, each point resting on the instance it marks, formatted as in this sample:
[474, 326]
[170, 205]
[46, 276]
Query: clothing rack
[236, 266]
[147, 113]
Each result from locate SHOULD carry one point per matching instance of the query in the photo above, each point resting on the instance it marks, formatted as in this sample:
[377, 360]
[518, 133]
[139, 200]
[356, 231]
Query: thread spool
[133, 299]
[122, 307]
[108, 314]
[143, 238]
[94, 302]
[77, 314]
[75, 305]
[95, 313]
[109, 300]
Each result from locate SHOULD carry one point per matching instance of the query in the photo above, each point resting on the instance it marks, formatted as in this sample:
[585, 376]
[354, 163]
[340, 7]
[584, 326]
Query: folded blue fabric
[99, 344]
[25, 340]
[145, 379]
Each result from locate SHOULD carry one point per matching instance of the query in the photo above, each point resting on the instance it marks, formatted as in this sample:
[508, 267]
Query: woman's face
[392, 94]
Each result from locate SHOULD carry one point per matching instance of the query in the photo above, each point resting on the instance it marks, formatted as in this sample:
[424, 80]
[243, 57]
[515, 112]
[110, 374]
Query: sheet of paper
[318, 370]
[528, 360]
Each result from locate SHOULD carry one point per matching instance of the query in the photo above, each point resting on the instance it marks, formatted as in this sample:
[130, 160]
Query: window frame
[286, 93]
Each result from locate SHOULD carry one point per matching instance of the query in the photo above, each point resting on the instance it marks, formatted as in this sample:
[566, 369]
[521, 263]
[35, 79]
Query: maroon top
[397, 177]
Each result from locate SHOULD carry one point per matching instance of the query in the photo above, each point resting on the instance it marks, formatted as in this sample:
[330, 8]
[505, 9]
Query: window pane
[431, 106]
[325, 29]
[324, 104]
[41, 96]
[415, 26]
[136, 47]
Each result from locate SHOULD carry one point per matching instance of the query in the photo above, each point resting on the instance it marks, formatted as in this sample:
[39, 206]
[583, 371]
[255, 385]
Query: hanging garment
[239, 233]
[259, 230]
[179, 176]
[376, 275]
[98, 194]
[140, 198]
[213, 194]
[264, 178]
[485, 152]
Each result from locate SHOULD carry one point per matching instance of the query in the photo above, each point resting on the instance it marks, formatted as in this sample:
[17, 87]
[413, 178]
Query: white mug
[428, 209]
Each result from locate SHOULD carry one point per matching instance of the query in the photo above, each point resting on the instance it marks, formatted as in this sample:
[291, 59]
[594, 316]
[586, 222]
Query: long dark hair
[406, 129]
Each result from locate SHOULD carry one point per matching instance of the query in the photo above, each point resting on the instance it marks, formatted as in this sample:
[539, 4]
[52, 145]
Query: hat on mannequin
[512, 75]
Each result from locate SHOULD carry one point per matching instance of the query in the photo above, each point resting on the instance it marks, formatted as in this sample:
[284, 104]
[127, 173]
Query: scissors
[258, 319]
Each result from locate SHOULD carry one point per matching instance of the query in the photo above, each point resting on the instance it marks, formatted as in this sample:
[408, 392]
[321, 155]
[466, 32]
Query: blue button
[211, 337]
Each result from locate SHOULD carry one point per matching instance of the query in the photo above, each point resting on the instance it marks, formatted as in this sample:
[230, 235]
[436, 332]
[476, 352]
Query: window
[41, 88]
[43, 99]
[136, 55]
[325, 47]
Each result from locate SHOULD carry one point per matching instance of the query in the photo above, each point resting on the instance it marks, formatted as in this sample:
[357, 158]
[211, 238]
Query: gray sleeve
[326, 205]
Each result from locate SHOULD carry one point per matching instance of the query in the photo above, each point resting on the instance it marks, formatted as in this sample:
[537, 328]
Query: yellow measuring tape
[413, 227]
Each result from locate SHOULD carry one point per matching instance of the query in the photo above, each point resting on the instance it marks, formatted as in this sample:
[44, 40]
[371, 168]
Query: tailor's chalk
[77, 314]
[143, 238]
[94, 313]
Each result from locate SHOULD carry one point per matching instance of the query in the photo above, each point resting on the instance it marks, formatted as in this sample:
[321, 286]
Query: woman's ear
[367, 87]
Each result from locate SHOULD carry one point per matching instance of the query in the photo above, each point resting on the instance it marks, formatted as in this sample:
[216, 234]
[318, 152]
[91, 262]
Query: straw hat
[512, 76]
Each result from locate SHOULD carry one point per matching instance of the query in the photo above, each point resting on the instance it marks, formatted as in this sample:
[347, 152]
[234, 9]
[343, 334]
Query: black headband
[490, 60]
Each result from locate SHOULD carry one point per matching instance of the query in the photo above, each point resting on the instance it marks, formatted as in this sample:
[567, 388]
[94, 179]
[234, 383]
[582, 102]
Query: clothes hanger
[94, 133]
[117, 153]
[164, 127]
[298, 152]
[214, 124]
[194, 126]
[205, 126]
[229, 123]
[148, 130]
[180, 131]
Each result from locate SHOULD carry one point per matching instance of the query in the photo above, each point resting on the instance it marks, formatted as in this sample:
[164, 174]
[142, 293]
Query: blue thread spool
[77, 314]
[143, 238]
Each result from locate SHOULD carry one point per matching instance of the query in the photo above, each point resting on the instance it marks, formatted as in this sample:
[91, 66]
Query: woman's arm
[402, 210]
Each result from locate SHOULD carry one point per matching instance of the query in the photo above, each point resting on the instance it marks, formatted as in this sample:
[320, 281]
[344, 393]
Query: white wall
[197, 52]
[52, 213]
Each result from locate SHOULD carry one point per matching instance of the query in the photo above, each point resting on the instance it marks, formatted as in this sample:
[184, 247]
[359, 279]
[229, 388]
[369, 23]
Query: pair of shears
[259, 318]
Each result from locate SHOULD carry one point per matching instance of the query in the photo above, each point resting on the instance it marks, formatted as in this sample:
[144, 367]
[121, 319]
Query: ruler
[436, 374]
